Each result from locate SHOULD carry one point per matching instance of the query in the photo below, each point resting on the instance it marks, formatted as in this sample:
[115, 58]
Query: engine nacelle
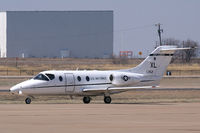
[124, 78]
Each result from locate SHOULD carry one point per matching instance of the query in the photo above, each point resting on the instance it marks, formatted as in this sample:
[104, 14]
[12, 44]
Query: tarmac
[150, 117]
[100, 118]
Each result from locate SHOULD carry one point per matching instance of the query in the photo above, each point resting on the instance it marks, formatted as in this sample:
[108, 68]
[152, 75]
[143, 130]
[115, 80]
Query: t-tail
[155, 65]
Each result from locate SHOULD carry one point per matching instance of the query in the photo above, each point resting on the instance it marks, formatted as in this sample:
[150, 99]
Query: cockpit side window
[50, 76]
[41, 77]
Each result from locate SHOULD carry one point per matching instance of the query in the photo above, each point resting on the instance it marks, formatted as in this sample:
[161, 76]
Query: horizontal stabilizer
[174, 49]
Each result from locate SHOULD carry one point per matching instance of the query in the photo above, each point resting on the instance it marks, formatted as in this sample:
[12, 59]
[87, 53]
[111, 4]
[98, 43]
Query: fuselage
[73, 82]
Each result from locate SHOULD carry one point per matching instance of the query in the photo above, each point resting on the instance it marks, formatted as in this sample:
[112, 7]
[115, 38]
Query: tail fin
[156, 63]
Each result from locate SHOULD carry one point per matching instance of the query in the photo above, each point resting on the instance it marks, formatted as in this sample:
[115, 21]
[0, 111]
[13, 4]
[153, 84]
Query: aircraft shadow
[145, 103]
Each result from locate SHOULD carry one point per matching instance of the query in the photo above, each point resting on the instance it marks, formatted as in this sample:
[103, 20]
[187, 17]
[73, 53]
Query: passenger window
[60, 78]
[41, 77]
[87, 78]
[51, 76]
[79, 78]
[111, 77]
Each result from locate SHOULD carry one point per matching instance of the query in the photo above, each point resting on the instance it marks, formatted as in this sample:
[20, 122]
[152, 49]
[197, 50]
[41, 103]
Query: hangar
[55, 34]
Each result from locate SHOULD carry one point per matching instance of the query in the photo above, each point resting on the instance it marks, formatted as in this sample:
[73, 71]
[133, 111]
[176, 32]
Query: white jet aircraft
[93, 83]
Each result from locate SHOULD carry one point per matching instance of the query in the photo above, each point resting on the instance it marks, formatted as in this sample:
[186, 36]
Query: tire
[86, 100]
[107, 99]
[27, 100]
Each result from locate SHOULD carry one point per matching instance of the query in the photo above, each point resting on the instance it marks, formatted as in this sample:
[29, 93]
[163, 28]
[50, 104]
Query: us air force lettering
[94, 83]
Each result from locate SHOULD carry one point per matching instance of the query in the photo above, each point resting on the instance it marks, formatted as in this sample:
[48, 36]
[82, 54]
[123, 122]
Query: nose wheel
[28, 100]
[86, 100]
[107, 99]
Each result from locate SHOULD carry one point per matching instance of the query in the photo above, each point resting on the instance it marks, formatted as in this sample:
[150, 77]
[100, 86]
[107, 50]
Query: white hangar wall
[81, 34]
[3, 26]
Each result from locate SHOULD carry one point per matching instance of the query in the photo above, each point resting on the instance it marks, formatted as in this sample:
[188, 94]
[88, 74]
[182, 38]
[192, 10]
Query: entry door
[69, 82]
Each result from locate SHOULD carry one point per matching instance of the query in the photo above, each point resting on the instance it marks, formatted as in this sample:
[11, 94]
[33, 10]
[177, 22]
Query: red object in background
[126, 54]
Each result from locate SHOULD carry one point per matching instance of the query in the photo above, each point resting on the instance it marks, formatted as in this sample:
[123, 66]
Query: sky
[134, 20]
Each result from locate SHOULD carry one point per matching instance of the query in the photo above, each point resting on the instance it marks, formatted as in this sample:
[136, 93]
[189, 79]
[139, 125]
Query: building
[77, 34]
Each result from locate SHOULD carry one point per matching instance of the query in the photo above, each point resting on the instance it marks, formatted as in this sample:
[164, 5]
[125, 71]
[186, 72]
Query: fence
[19, 72]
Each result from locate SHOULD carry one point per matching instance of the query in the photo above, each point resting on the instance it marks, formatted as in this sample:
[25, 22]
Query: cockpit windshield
[50, 76]
[41, 77]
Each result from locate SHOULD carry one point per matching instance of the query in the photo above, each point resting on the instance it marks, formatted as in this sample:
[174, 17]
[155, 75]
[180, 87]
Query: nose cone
[15, 88]
[23, 86]
[27, 86]
[18, 87]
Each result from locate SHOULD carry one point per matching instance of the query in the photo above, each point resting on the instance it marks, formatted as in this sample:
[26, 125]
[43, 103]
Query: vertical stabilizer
[156, 63]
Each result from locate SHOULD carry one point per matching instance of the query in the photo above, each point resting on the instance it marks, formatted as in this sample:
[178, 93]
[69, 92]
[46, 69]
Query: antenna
[159, 32]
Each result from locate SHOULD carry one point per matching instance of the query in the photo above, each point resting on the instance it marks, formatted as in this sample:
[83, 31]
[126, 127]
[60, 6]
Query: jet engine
[124, 78]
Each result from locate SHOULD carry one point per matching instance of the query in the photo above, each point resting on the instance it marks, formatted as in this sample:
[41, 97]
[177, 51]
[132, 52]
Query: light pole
[159, 32]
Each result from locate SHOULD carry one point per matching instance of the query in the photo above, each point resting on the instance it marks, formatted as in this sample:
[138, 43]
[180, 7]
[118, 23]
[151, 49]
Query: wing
[115, 89]
[129, 88]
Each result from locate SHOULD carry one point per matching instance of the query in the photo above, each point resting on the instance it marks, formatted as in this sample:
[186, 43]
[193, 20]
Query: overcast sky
[133, 19]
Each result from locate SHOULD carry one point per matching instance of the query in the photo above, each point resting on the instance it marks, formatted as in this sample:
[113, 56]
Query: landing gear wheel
[107, 99]
[28, 100]
[86, 100]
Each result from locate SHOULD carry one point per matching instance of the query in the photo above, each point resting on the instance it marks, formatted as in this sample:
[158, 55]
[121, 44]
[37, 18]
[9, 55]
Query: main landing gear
[86, 100]
[28, 100]
[107, 99]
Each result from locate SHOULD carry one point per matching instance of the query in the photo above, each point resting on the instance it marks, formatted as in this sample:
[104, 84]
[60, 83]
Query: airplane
[99, 83]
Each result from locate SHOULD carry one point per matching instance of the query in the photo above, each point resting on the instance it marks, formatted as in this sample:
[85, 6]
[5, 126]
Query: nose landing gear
[28, 100]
